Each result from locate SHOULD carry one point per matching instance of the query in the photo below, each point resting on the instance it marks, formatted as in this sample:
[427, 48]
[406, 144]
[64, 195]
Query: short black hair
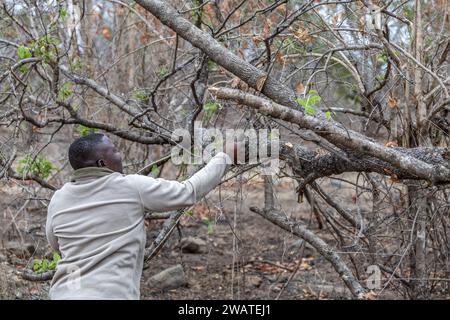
[82, 150]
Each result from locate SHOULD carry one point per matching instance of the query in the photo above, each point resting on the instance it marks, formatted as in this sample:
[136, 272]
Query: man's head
[95, 150]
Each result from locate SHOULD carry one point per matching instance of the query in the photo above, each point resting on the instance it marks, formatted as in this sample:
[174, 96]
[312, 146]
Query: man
[96, 220]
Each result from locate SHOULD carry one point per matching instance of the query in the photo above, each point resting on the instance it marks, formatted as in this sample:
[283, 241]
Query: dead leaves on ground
[279, 267]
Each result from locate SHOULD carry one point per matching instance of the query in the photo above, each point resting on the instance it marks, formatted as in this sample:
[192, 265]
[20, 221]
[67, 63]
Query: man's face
[110, 155]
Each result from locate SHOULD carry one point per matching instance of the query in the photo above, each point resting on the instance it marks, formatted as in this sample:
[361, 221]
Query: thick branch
[283, 95]
[341, 137]
[248, 73]
[321, 246]
[305, 161]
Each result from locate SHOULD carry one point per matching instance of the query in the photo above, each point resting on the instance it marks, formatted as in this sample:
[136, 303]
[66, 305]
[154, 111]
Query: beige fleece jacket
[96, 221]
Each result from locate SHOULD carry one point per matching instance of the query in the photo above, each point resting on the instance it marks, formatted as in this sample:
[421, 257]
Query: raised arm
[165, 195]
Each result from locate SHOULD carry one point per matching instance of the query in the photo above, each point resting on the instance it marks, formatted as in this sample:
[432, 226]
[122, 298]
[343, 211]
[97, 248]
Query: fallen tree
[279, 93]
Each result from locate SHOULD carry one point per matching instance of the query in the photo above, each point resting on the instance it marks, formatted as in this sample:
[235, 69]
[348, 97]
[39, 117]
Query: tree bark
[273, 89]
[345, 139]
[321, 246]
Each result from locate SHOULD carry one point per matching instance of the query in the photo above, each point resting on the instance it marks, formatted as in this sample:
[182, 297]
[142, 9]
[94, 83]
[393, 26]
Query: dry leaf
[303, 36]
[391, 144]
[209, 10]
[202, 211]
[257, 40]
[361, 23]
[304, 265]
[334, 20]
[320, 153]
[226, 5]
[107, 34]
[274, 19]
[300, 88]
[244, 29]
[198, 268]
[392, 102]
[282, 9]
[279, 58]
[371, 295]
[237, 14]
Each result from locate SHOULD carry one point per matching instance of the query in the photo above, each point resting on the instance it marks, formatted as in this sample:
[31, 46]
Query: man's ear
[101, 163]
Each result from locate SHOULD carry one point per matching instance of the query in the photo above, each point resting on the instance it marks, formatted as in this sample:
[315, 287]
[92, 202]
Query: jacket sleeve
[52, 240]
[165, 195]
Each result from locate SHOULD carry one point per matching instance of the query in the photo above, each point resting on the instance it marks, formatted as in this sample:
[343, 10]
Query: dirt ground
[245, 256]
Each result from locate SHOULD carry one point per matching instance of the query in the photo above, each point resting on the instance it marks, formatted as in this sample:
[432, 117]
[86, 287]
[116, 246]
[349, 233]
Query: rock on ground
[169, 279]
[192, 245]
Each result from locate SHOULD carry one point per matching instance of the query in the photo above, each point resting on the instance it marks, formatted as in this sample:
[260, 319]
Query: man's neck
[90, 172]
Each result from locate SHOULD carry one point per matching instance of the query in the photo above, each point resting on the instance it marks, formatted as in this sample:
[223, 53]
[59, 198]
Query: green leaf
[328, 115]
[76, 65]
[65, 91]
[56, 257]
[212, 66]
[46, 48]
[23, 69]
[41, 266]
[63, 13]
[84, 131]
[382, 58]
[40, 167]
[141, 96]
[44, 266]
[209, 224]
[52, 265]
[309, 103]
[36, 265]
[408, 13]
[313, 100]
[162, 72]
[210, 228]
[210, 108]
[309, 109]
[301, 102]
[23, 52]
[155, 170]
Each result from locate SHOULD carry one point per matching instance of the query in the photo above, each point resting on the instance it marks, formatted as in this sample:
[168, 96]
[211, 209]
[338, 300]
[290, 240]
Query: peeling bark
[305, 161]
[435, 172]
[283, 95]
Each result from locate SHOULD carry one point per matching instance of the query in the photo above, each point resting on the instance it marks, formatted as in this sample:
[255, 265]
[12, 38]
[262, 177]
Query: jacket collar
[90, 172]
